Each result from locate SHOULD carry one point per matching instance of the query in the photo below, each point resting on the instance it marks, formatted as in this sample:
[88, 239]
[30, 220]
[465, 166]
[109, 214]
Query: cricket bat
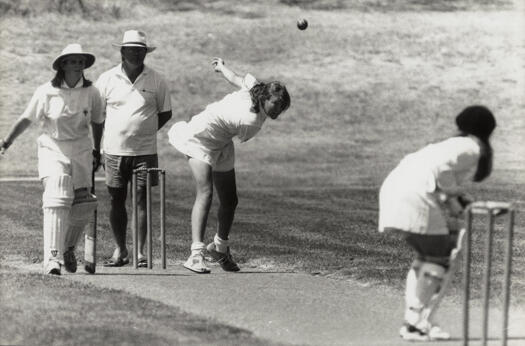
[90, 241]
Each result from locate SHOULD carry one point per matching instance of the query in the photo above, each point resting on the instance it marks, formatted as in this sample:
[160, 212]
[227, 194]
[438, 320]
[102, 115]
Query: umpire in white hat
[136, 100]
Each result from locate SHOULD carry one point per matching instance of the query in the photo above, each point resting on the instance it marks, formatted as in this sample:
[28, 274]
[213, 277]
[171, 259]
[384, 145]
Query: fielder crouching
[422, 199]
[65, 108]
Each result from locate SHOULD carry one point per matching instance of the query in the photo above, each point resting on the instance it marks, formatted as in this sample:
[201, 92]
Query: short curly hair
[263, 91]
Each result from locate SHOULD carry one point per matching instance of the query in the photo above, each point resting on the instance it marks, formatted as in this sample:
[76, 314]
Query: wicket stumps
[149, 234]
[492, 210]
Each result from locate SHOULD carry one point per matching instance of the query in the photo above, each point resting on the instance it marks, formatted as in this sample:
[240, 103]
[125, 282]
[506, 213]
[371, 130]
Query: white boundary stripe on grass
[32, 179]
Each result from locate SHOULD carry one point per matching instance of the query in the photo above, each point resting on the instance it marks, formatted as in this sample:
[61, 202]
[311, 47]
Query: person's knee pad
[56, 204]
[58, 192]
[429, 281]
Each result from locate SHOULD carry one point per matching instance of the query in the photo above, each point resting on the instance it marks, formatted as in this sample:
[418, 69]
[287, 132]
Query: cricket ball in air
[302, 24]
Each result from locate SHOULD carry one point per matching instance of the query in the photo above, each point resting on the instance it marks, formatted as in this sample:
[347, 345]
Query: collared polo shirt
[65, 113]
[132, 110]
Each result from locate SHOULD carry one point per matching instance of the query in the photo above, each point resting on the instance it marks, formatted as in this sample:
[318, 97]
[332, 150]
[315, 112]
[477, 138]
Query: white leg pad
[58, 192]
[412, 304]
[57, 199]
[81, 214]
[447, 279]
[429, 280]
[435, 300]
[55, 227]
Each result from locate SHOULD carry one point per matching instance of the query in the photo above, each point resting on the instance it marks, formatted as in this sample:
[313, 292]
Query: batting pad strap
[58, 192]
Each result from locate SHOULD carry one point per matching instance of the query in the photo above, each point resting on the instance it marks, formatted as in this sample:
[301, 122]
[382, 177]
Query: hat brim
[90, 60]
[149, 49]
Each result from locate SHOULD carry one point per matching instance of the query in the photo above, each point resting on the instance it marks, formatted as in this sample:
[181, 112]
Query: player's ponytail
[480, 122]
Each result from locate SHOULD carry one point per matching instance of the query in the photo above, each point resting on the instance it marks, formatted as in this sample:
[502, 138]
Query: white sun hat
[135, 38]
[74, 49]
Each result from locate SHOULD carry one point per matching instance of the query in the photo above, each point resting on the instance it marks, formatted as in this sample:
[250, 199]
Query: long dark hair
[59, 79]
[480, 122]
[263, 91]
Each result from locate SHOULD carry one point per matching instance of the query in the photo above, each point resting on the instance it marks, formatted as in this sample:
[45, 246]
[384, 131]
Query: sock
[221, 245]
[197, 247]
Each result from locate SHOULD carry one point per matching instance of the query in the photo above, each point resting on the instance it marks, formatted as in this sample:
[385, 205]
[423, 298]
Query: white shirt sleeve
[249, 81]
[100, 85]
[163, 96]
[35, 108]
[97, 115]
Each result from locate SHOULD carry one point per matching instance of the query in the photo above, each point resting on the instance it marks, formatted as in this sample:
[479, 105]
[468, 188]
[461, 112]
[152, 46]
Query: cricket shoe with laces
[411, 333]
[436, 333]
[197, 263]
[70, 260]
[224, 259]
[52, 267]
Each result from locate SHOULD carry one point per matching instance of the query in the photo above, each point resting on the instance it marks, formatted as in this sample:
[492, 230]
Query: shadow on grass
[332, 231]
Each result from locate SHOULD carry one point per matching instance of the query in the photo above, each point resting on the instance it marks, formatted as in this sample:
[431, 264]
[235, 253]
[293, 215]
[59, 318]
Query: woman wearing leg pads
[66, 108]
[419, 198]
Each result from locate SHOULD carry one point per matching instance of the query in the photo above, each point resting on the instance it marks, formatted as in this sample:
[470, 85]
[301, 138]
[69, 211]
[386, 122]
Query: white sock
[197, 247]
[221, 245]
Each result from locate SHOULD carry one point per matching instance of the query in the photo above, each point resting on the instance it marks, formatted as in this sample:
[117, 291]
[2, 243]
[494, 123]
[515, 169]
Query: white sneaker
[436, 333]
[53, 268]
[197, 263]
[410, 333]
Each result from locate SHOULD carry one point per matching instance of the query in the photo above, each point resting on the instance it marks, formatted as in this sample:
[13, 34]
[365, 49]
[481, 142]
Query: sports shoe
[410, 333]
[224, 259]
[197, 263]
[70, 261]
[436, 333]
[433, 331]
[52, 268]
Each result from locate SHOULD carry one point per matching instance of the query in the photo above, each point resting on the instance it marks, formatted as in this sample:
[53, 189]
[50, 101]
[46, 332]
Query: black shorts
[432, 248]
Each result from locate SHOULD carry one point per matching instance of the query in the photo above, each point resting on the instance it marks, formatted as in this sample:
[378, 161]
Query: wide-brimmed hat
[476, 120]
[74, 49]
[135, 38]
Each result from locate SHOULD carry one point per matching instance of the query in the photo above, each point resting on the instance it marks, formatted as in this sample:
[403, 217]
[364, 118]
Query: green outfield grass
[369, 83]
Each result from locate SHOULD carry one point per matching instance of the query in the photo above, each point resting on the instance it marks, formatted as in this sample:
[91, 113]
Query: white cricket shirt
[131, 110]
[65, 113]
